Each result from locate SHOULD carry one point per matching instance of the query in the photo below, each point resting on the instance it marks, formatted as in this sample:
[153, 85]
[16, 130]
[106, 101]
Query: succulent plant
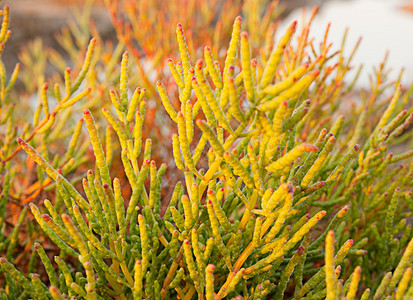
[274, 194]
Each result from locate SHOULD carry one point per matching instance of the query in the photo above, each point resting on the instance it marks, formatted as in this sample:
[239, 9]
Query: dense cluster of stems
[281, 197]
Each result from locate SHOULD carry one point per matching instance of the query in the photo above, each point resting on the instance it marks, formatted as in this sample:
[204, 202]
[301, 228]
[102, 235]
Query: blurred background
[384, 25]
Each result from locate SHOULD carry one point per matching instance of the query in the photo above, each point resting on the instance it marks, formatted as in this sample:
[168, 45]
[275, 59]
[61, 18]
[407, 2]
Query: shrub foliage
[280, 196]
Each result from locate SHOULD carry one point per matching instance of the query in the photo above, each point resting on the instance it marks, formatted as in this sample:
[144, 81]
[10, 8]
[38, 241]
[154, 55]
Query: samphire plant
[147, 28]
[281, 198]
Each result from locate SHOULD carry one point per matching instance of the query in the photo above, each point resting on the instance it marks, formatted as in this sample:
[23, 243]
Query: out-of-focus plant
[282, 197]
[42, 125]
[147, 28]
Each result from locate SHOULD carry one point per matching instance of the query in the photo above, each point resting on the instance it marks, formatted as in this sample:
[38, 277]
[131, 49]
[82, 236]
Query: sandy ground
[44, 18]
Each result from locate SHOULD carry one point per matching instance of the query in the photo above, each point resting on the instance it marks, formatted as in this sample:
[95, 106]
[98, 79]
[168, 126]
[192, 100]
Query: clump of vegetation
[272, 194]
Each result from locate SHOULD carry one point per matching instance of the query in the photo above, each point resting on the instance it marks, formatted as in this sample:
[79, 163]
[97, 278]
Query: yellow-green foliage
[281, 196]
